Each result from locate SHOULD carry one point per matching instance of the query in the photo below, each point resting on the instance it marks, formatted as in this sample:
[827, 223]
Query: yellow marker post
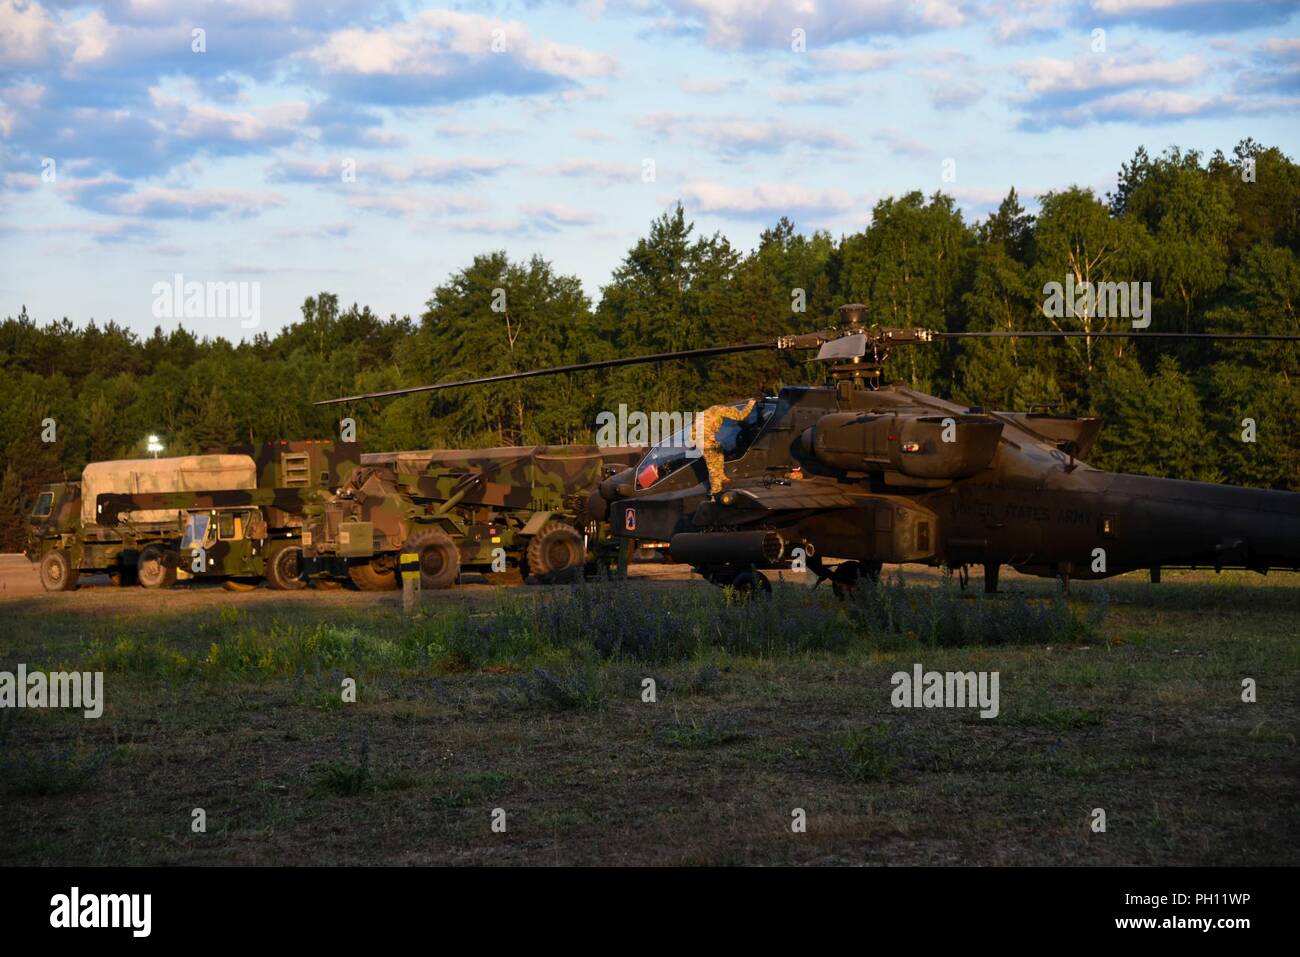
[408, 568]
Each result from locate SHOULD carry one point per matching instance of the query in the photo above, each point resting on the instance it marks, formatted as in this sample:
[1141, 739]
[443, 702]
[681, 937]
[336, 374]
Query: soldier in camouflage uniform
[712, 419]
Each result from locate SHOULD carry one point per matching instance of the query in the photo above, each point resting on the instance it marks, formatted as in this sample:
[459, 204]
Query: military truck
[244, 530]
[244, 535]
[67, 537]
[486, 510]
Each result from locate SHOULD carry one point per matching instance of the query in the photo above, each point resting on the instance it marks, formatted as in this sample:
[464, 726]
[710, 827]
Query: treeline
[1217, 238]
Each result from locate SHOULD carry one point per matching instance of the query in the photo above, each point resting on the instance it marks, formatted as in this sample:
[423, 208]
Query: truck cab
[55, 509]
[222, 542]
[234, 543]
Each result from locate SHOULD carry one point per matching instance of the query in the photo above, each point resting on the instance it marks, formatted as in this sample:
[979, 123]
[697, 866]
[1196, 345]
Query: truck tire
[374, 574]
[57, 573]
[284, 569]
[155, 568]
[439, 558]
[556, 554]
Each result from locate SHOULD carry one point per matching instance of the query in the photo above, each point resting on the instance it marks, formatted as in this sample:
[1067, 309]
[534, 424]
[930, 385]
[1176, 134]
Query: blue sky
[530, 127]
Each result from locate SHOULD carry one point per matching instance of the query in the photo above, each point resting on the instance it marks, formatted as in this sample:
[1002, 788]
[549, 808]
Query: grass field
[1128, 699]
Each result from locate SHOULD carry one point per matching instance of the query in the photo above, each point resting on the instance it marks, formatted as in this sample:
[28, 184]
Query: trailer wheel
[374, 574]
[556, 554]
[284, 569]
[439, 558]
[57, 573]
[155, 569]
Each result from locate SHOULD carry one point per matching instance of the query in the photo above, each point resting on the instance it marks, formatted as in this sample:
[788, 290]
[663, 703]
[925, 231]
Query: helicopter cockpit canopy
[734, 437]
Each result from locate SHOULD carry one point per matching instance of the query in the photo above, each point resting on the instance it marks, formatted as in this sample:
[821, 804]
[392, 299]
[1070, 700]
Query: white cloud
[433, 43]
[593, 135]
[417, 204]
[814, 94]
[852, 61]
[557, 214]
[693, 87]
[1152, 105]
[608, 172]
[765, 200]
[731, 136]
[188, 119]
[1140, 6]
[26, 33]
[425, 169]
[90, 38]
[750, 24]
[1021, 20]
[163, 202]
[1048, 75]
[1281, 48]
[902, 145]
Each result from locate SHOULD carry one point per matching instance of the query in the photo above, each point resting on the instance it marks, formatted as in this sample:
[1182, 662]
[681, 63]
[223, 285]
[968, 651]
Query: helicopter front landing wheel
[751, 582]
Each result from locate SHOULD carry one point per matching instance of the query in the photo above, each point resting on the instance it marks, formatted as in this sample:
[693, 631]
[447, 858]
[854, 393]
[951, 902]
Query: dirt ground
[20, 586]
[21, 591]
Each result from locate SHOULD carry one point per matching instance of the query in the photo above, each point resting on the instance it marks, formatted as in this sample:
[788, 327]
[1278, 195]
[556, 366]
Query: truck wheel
[556, 554]
[154, 569]
[284, 569]
[57, 573]
[439, 558]
[375, 574]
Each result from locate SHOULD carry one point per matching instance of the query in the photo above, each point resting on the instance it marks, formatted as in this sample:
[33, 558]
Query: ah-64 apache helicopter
[871, 474]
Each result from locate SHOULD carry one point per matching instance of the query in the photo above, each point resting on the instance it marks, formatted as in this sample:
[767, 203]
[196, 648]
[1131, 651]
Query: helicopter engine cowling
[919, 446]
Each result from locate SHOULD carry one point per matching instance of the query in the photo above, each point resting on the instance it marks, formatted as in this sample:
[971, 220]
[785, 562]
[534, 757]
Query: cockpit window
[734, 437]
[667, 457]
[43, 505]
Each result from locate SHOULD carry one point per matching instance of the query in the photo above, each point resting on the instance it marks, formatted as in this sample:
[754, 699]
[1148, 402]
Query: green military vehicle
[68, 537]
[486, 510]
[241, 532]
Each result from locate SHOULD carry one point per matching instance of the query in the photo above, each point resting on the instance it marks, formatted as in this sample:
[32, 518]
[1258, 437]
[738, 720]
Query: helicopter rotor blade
[806, 341]
[556, 370]
[1079, 334]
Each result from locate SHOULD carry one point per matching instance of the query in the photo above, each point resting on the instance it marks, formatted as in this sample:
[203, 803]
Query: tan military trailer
[487, 510]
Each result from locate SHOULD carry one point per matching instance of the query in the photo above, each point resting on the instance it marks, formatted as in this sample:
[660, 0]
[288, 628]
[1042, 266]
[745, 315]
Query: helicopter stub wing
[796, 495]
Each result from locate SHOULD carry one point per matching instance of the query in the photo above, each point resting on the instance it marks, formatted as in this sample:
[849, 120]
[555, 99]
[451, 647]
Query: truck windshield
[196, 530]
[43, 505]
